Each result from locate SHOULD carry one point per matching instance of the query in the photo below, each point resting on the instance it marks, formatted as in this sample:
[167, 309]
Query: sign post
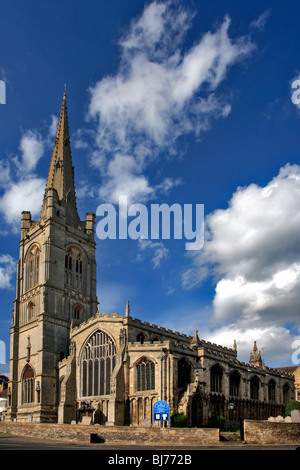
[161, 411]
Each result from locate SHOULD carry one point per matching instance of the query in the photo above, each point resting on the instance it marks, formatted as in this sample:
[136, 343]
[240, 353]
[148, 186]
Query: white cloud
[32, 148]
[160, 251]
[22, 188]
[53, 126]
[260, 22]
[22, 195]
[160, 92]
[124, 180]
[252, 251]
[7, 270]
[268, 339]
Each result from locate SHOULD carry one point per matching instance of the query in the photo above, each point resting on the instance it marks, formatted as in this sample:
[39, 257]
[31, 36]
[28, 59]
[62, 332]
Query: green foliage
[216, 422]
[179, 420]
[292, 405]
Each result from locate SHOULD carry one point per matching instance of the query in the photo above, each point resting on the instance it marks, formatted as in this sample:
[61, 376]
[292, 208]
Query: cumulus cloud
[252, 252]
[21, 187]
[32, 149]
[22, 195]
[7, 270]
[160, 93]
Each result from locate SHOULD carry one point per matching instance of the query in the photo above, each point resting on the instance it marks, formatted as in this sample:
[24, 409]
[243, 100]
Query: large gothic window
[32, 267]
[74, 267]
[97, 363]
[216, 374]
[145, 375]
[28, 385]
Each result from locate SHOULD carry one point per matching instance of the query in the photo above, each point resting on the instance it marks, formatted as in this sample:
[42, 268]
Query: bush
[217, 422]
[292, 405]
[179, 420]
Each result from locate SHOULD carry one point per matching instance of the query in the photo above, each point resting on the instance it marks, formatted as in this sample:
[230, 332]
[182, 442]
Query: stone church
[71, 363]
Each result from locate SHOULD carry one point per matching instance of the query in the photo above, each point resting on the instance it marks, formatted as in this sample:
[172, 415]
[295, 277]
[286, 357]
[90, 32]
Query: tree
[292, 405]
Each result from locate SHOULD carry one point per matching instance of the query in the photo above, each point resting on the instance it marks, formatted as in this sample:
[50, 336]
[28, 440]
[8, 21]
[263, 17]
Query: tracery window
[28, 385]
[286, 391]
[254, 388]
[184, 373]
[234, 384]
[30, 310]
[145, 374]
[140, 338]
[74, 267]
[32, 267]
[77, 313]
[78, 271]
[216, 374]
[271, 390]
[97, 363]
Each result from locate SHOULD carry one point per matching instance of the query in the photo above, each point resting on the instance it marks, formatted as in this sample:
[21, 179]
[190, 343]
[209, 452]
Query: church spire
[61, 171]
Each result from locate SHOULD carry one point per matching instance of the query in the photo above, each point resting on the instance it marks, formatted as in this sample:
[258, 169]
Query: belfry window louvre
[97, 363]
[73, 267]
[145, 373]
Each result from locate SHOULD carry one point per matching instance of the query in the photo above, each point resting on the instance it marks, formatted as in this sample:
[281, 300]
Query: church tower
[55, 289]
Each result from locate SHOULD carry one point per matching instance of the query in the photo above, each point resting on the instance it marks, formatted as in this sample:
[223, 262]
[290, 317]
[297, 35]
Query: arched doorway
[197, 411]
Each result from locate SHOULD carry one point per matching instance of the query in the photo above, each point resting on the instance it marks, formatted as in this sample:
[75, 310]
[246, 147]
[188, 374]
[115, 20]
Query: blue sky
[168, 102]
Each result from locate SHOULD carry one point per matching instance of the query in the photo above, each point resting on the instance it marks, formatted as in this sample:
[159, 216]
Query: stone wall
[266, 432]
[119, 435]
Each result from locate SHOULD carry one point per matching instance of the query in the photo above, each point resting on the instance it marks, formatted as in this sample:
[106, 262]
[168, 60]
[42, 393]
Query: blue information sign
[161, 411]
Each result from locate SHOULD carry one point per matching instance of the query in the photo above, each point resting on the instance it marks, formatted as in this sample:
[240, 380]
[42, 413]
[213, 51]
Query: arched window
[28, 385]
[286, 392]
[74, 267]
[271, 390]
[30, 310]
[254, 388]
[78, 271]
[145, 375]
[216, 374]
[32, 267]
[234, 384]
[140, 338]
[77, 313]
[184, 373]
[97, 363]
[68, 268]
